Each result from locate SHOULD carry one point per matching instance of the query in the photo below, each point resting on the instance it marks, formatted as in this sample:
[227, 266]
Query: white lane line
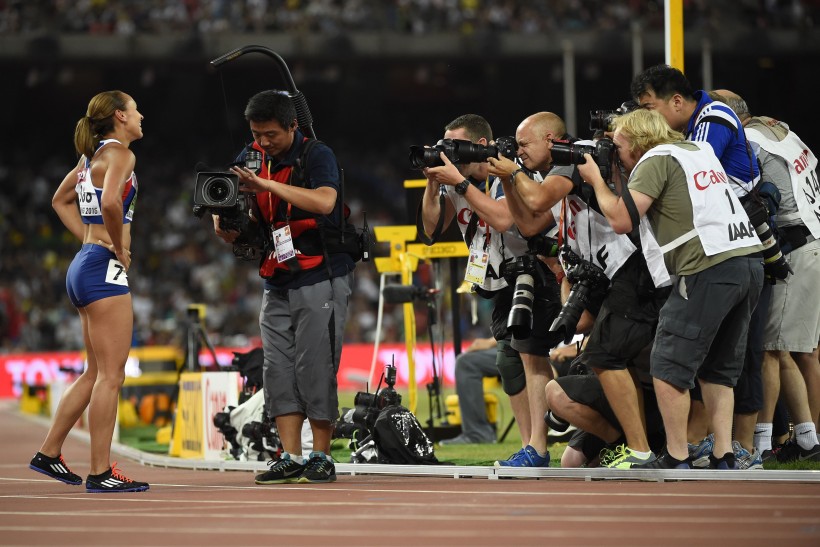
[489, 492]
[508, 533]
[355, 514]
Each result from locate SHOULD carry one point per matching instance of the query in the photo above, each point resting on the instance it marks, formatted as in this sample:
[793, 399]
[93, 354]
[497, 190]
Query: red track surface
[225, 508]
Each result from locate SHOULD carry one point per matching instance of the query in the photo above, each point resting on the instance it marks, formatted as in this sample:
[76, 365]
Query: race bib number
[283, 243]
[811, 191]
[116, 274]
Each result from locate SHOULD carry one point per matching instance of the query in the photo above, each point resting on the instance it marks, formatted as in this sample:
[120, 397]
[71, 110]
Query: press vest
[499, 246]
[590, 236]
[719, 219]
[802, 165]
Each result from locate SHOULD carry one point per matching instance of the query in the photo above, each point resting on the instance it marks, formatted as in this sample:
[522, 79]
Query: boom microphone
[399, 294]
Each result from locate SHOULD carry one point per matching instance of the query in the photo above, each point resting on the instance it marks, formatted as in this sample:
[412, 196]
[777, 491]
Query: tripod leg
[506, 430]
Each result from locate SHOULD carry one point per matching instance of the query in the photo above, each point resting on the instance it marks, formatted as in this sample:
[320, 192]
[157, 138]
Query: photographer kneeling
[627, 308]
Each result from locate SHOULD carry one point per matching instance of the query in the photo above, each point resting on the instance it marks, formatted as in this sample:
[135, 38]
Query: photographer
[702, 119]
[478, 203]
[607, 272]
[578, 399]
[307, 286]
[703, 324]
[793, 327]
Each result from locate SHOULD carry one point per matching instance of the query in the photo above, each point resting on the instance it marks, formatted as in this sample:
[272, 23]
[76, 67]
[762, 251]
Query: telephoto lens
[519, 322]
[774, 263]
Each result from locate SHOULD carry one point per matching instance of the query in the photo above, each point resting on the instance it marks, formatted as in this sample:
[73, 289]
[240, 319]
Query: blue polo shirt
[721, 128]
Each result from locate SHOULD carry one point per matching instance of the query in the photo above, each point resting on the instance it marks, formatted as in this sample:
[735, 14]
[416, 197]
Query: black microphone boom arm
[303, 115]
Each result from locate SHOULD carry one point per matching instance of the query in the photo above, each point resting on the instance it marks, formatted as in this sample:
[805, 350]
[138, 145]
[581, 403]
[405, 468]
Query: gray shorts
[794, 313]
[302, 335]
[704, 324]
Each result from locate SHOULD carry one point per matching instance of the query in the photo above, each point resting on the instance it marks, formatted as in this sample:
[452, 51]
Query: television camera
[219, 193]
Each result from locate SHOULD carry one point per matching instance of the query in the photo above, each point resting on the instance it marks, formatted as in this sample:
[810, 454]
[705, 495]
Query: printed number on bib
[116, 274]
[811, 189]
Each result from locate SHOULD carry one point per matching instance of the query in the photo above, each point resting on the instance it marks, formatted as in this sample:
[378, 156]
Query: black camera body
[368, 406]
[460, 151]
[603, 154]
[218, 193]
[601, 120]
[589, 284]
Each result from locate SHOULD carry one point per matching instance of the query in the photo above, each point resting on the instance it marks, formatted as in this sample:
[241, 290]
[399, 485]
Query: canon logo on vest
[464, 217]
[802, 162]
[704, 178]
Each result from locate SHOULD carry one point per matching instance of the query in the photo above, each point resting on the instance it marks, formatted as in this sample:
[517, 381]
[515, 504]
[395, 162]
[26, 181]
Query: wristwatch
[461, 187]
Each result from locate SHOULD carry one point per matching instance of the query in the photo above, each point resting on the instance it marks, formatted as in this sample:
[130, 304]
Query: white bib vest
[720, 221]
[590, 236]
[802, 171]
[513, 243]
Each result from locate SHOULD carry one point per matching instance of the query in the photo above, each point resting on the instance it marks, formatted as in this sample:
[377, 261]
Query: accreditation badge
[283, 243]
[477, 266]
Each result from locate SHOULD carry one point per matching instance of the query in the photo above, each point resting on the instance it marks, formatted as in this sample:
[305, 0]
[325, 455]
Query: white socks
[763, 437]
[806, 435]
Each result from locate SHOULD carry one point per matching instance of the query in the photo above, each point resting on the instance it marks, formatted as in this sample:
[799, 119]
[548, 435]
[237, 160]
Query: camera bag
[400, 438]
[345, 239]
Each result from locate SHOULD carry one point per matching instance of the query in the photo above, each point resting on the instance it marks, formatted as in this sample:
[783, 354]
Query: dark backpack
[400, 438]
[358, 243]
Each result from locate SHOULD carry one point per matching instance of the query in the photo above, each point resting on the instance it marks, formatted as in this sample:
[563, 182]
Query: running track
[225, 508]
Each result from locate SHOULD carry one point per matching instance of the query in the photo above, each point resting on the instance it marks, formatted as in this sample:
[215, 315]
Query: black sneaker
[791, 451]
[318, 469]
[772, 454]
[55, 468]
[665, 461]
[281, 471]
[725, 462]
[113, 481]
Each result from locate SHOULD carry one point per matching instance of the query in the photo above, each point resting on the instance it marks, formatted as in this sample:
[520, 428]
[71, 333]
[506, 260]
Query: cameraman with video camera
[609, 274]
[307, 282]
[465, 191]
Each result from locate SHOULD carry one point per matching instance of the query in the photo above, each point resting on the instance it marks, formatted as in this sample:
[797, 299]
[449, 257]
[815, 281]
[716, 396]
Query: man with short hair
[308, 281]
[793, 328]
[625, 298]
[702, 119]
[476, 200]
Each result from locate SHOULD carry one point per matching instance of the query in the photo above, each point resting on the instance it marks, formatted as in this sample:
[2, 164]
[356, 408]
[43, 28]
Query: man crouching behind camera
[477, 201]
[608, 273]
[307, 286]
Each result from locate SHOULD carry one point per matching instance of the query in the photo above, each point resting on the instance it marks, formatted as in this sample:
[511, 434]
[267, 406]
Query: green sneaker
[606, 455]
[625, 458]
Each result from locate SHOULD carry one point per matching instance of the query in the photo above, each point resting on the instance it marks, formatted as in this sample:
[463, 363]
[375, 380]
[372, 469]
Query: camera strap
[439, 225]
[631, 208]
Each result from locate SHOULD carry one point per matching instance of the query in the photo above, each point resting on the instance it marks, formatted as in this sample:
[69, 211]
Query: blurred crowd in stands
[404, 16]
[183, 262]
[180, 263]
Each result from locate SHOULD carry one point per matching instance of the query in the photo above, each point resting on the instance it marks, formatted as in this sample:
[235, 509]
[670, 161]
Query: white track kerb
[468, 471]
